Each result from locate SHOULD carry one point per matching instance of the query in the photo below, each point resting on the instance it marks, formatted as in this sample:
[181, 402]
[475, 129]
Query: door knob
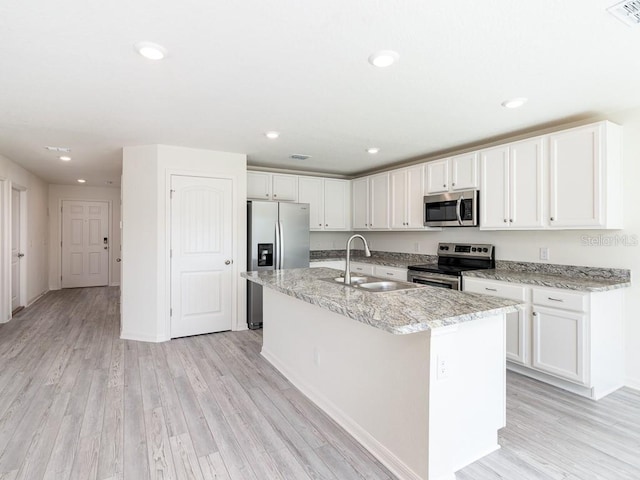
[228, 262]
[20, 255]
[118, 260]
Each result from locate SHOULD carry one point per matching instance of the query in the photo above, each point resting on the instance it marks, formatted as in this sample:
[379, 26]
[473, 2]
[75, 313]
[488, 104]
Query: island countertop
[398, 312]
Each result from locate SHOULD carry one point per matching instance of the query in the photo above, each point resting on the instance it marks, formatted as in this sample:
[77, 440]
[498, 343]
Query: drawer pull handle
[389, 273]
[491, 289]
[555, 299]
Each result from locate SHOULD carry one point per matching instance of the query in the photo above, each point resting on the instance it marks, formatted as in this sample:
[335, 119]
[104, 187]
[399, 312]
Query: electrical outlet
[443, 367]
[544, 253]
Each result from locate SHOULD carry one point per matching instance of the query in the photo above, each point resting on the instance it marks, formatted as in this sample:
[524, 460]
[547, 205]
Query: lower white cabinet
[362, 268]
[365, 269]
[570, 339]
[390, 272]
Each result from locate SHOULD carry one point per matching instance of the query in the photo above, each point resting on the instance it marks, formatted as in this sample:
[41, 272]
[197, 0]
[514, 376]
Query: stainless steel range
[453, 259]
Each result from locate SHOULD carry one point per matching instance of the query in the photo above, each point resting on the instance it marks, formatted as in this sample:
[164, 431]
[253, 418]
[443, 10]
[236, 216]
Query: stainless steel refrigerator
[277, 238]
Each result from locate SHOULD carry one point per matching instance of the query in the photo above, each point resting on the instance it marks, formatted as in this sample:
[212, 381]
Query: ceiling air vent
[58, 149]
[299, 156]
[627, 12]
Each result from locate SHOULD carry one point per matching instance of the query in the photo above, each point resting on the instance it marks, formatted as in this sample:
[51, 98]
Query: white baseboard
[387, 458]
[114, 284]
[36, 298]
[633, 383]
[142, 337]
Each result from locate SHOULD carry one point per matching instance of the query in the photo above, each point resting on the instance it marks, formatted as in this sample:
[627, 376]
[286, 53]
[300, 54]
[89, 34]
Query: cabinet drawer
[496, 289]
[561, 299]
[363, 268]
[390, 272]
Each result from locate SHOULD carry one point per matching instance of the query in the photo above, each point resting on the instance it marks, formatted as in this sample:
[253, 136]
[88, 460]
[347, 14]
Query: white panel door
[437, 176]
[201, 255]
[285, 188]
[398, 180]
[16, 255]
[259, 185]
[85, 244]
[379, 201]
[415, 197]
[360, 191]
[464, 171]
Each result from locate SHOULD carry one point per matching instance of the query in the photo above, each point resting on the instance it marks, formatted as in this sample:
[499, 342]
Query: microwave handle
[458, 208]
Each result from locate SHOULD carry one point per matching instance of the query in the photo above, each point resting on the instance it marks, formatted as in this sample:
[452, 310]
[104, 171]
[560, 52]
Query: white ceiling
[69, 76]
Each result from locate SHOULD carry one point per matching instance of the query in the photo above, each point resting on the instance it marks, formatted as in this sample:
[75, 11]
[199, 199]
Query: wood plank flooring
[78, 402]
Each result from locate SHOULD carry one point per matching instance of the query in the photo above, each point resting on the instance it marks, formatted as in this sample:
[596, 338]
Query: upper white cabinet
[406, 199]
[272, 186]
[585, 177]
[512, 186]
[452, 174]
[370, 198]
[329, 202]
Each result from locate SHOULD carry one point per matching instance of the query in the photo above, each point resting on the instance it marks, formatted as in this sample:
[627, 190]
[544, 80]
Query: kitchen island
[416, 376]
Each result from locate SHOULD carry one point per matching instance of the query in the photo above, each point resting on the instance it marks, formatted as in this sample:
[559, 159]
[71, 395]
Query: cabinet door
[415, 197]
[464, 171]
[360, 203]
[379, 201]
[494, 189]
[336, 204]
[390, 272]
[398, 199]
[362, 268]
[259, 185]
[285, 188]
[575, 166]
[558, 343]
[437, 176]
[526, 178]
[312, 192]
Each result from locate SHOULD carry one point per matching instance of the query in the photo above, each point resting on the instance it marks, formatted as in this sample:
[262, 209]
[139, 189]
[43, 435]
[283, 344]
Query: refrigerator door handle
[281, 245]
[276, 249]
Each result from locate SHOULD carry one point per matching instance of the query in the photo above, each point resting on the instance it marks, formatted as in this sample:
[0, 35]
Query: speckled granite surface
[388, 259]
[399, 312]
[568, 282]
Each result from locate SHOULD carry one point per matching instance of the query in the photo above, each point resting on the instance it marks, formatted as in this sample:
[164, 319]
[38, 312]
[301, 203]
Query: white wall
[145, 254]
[565, 247]
[36, 233]
[58, 193]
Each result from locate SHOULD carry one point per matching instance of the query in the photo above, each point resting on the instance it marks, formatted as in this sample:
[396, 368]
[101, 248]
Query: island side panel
[373, 383]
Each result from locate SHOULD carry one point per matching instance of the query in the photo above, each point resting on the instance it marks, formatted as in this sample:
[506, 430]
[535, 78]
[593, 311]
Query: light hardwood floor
[78, 402]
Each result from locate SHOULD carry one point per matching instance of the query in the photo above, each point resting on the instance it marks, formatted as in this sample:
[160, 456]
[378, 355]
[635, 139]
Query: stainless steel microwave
[454, 209]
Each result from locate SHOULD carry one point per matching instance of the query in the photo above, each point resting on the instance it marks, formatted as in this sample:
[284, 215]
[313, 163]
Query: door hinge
[60, 242]
[171, 312]
[171, 194]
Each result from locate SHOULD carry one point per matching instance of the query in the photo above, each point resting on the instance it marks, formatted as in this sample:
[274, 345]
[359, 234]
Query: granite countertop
[568, 282]
[397, 312]
[387, 259]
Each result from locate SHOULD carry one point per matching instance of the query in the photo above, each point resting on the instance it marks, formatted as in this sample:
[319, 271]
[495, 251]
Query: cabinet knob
[505, 220]
[511, 220]
[326, 224]
[274, 195]
[266, 195]
[444, 185]
[319, 224]
[535, 314]
[552, 219]
[453, 184]
[228, 262]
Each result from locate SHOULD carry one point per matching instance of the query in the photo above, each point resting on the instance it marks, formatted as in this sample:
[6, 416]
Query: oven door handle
[458, 209]
[453, 281]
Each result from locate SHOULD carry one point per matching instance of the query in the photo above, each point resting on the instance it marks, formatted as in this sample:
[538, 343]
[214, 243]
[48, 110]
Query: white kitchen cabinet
[559, 343]
[360, 203]
[329, 202]
[573, 340]
[371, 202]
[272, 186]
[362, 268]
[407, 198]
[512, 187]
[585, 177]
[452, 174]
[517, 337]
[395, 273]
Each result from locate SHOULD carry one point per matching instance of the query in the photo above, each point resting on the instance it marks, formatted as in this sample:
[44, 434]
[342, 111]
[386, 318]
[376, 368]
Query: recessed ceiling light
[272, 135]
[514, 102]
[65, 158]
[373, 150]
[383, 58]
[149, 50]
[81, 180]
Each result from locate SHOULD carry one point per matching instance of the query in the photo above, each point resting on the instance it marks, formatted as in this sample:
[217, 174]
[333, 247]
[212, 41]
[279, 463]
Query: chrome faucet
[367, 253]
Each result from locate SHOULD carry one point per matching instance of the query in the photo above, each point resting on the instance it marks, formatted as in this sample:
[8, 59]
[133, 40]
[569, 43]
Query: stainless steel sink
[374, 284]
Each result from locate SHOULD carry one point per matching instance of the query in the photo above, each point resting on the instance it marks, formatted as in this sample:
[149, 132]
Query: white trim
[36, 298]
[142, 337]
[5, 251]
[114, 284]
[387, 458]
[633, 383]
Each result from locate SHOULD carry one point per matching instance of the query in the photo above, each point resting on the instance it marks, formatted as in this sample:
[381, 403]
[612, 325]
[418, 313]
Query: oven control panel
[465, 250]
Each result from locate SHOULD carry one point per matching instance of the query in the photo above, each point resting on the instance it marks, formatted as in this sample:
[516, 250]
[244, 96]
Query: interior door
[16, 255]
[201, 255]
[85, 244]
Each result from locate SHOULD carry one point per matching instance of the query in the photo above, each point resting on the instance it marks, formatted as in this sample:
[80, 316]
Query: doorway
[17, 254]
[201, 255]
[85, 244]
